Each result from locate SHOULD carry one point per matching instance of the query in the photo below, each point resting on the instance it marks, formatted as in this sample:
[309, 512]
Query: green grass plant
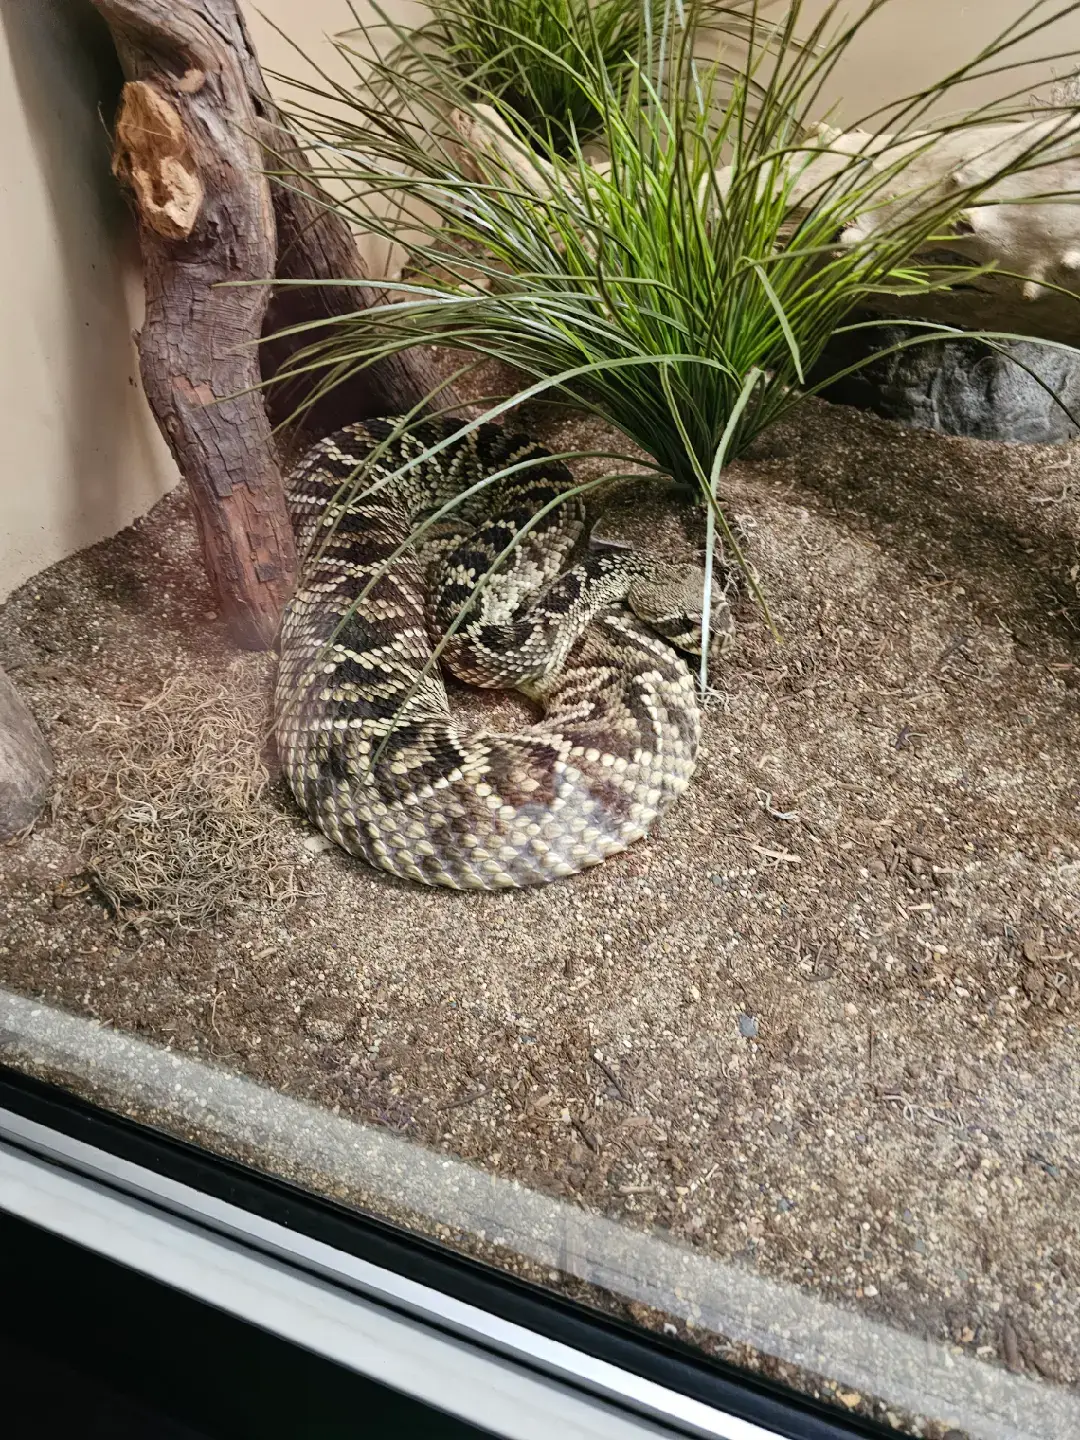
[685, 290]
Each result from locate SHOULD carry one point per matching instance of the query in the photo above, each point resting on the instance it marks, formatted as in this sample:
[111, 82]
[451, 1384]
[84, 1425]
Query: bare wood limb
[194, 120]
[1024, 224]
[314, 243]
[186, 142]
[487, 141]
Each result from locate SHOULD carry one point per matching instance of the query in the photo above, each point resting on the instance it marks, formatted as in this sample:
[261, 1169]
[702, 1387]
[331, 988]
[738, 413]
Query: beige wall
[80, 456]
[910, 44]
[309, 23]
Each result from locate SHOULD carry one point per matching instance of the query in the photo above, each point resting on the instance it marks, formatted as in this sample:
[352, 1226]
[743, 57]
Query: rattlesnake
[366, 737]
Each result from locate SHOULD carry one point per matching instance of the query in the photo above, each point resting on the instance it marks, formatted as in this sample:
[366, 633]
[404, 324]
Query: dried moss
[178, 834]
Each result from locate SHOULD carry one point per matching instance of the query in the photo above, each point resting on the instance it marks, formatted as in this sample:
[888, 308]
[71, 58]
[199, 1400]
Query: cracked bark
[315, 244]
[185, 144]
[192, 114]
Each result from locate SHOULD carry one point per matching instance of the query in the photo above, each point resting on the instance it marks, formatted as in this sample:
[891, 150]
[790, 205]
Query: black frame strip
[663, 1360]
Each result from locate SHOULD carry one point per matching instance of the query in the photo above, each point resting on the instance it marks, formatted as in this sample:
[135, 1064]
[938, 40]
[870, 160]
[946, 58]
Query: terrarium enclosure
[795, 1078]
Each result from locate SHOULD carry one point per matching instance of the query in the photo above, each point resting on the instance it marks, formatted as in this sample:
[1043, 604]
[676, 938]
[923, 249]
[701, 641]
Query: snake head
[670, 600]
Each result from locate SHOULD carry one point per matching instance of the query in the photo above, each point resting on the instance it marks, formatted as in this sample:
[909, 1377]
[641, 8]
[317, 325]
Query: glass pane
[795, 1078]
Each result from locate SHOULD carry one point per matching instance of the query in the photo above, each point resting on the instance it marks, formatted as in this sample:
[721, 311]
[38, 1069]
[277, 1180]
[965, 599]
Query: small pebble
[748, 1027]
[321, 1028]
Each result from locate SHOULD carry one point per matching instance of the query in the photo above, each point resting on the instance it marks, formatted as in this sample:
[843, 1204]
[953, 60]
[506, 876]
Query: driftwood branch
[1024, 224]
[185, 142]
[314, 243]
[488, 145]
[196, 135]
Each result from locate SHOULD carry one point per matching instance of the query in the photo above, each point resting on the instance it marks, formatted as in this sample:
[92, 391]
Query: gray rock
[748, 1027]
[26, 764]
[326, 1028]
[960, 387]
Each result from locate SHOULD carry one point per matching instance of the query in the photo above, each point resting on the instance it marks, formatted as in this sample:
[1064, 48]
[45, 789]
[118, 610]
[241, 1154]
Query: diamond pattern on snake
[597, 638]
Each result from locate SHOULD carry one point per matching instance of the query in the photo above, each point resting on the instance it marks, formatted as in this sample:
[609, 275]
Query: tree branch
[185, 141]
[194, 120]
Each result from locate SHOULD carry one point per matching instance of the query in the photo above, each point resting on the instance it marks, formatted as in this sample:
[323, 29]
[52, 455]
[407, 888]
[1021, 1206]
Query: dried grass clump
[178, 834]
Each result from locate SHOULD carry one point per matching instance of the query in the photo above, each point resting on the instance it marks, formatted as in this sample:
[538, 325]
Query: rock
[325, 1028]
[748, 1027]
[26, 764]
[959, 387]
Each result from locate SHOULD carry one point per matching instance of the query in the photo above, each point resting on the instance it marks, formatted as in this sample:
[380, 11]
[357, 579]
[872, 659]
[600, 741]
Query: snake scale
[362, 719]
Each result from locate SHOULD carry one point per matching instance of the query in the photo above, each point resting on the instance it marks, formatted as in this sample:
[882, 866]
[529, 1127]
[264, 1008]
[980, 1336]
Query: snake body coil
[363, 724]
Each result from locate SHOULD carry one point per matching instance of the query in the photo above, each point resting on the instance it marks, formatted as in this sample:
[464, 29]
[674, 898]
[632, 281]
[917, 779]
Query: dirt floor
[825, 1021]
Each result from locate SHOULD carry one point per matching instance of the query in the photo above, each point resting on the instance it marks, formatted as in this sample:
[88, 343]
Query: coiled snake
[366, 736]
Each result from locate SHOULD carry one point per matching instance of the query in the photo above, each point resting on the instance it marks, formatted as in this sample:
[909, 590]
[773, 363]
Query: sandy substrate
[824, 1022]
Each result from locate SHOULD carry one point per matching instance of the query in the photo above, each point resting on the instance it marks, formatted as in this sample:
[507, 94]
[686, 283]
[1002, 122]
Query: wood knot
[153, 155]
[192, 81]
